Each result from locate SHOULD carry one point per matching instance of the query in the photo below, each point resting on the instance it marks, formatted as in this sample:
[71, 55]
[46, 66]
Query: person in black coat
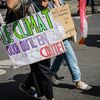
[39, 76]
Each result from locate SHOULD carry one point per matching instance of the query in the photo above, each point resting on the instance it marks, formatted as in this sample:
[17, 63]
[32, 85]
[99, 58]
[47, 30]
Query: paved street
[89, 62]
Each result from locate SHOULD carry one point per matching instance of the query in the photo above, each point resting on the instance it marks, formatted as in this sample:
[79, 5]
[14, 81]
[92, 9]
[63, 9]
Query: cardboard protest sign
[32, 39]
[62, 16]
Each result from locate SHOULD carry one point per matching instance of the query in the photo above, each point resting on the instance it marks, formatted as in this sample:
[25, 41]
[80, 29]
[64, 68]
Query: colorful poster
[32, 39]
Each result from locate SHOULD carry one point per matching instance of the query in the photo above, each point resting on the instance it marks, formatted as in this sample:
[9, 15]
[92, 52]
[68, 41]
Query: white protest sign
[32, 39]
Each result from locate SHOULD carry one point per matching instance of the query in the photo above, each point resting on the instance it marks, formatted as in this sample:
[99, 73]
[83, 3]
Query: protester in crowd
[71, 61]
[39, 77]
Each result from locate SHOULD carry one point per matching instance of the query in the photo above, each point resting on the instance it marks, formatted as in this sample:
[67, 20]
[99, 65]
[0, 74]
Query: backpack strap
[29, 8]
[35, 5]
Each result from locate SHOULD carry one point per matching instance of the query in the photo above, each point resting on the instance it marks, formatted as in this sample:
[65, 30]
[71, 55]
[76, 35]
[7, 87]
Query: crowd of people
[42, 74]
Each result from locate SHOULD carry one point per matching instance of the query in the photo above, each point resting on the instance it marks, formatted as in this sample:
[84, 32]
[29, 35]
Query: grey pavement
[88, 56]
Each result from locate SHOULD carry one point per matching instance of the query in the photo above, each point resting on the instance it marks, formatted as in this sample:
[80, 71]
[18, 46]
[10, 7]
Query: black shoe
[54, 81]
[59, 77]
[29, 92]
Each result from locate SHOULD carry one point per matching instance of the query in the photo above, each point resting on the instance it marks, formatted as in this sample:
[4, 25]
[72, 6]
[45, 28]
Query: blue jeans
[71, 61]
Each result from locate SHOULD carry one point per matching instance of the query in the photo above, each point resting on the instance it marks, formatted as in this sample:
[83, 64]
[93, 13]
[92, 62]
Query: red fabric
[83, 20]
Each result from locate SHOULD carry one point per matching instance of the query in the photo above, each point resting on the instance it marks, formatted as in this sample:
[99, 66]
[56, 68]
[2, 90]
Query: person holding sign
[71, 61]
[39, 77]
